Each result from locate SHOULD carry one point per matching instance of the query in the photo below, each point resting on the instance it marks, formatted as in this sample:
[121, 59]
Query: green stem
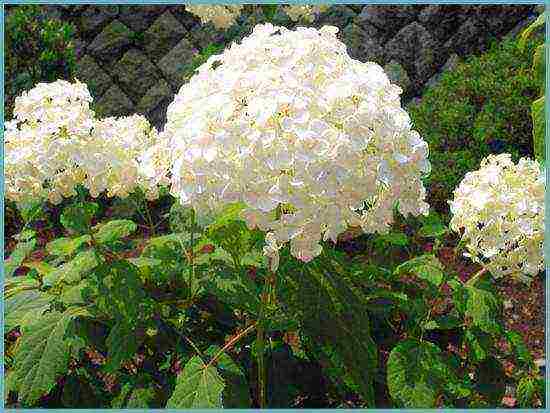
[192, 255]
[260, 338]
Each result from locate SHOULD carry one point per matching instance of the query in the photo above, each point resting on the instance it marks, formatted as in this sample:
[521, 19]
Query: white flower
[311, 140]
[501, 209]
[55, 144]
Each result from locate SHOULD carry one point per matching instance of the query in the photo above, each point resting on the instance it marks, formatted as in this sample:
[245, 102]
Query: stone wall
[133, 57]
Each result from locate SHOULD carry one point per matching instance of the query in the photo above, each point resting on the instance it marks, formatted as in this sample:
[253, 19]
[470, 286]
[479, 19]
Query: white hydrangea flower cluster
[500, 207]
[55, 143]
[304, 11]
[308, 138]
[221, 16]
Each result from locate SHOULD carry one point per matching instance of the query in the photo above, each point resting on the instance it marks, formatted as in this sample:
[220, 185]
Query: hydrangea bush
[309, 139]
[285, 141]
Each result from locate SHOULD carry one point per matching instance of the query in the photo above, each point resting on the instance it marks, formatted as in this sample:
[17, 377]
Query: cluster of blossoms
[500, 208]
[305, 12]
[309, 139]
[55, 143]
[221, 16]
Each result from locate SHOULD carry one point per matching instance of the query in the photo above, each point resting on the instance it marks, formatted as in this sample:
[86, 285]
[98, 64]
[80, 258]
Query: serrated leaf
[198, 386]
[483, 307]
[236, 391]
[78, 217]
[66, 246]
[418, 374]
[24, 308]
[426, 267]
[113, 231]
[22, 250]
[539, 126]
[71, 272]
[42, 355]
[122, 344]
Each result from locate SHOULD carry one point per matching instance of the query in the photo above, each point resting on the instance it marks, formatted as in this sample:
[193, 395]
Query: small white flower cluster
[308, 138]
[305, 12]
[221, 16]
[55, 143]
[500, 207]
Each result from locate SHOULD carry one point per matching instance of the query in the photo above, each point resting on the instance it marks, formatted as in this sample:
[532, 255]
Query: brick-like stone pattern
[132, 57]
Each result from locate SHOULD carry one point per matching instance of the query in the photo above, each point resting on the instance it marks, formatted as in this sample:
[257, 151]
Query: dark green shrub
[481, 107]
[38, 49]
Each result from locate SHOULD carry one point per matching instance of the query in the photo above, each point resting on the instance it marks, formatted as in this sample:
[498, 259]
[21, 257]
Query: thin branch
[231, 342]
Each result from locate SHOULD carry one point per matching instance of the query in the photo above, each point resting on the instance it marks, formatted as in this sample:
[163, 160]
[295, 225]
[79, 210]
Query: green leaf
[539, 126]
[74, 295]
[483, 307]
[520, 348]
[478, 344]
[539, 65]
[445, 322]
[432, 226]
[236, 393]
[71, 272]
[78, 217]
[113, 231]
[22, 250]
[122, 344]
[426, 267]
[24, 308]
[30, 211]
[66, 246]
[42, 355]
[331, 313]
[524, 36]
[418, 374]
[133, 397]
[198, 386]
[120, 291]
[527, 391]
[25, 235]
[234, 289]
[398, 239]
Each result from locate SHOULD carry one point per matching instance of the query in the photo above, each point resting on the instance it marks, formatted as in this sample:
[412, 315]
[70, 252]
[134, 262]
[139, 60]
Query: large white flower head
[308, 138]
[221, 16]
[49, 121]
[55, 143]
[304, 11]
[500, 207]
